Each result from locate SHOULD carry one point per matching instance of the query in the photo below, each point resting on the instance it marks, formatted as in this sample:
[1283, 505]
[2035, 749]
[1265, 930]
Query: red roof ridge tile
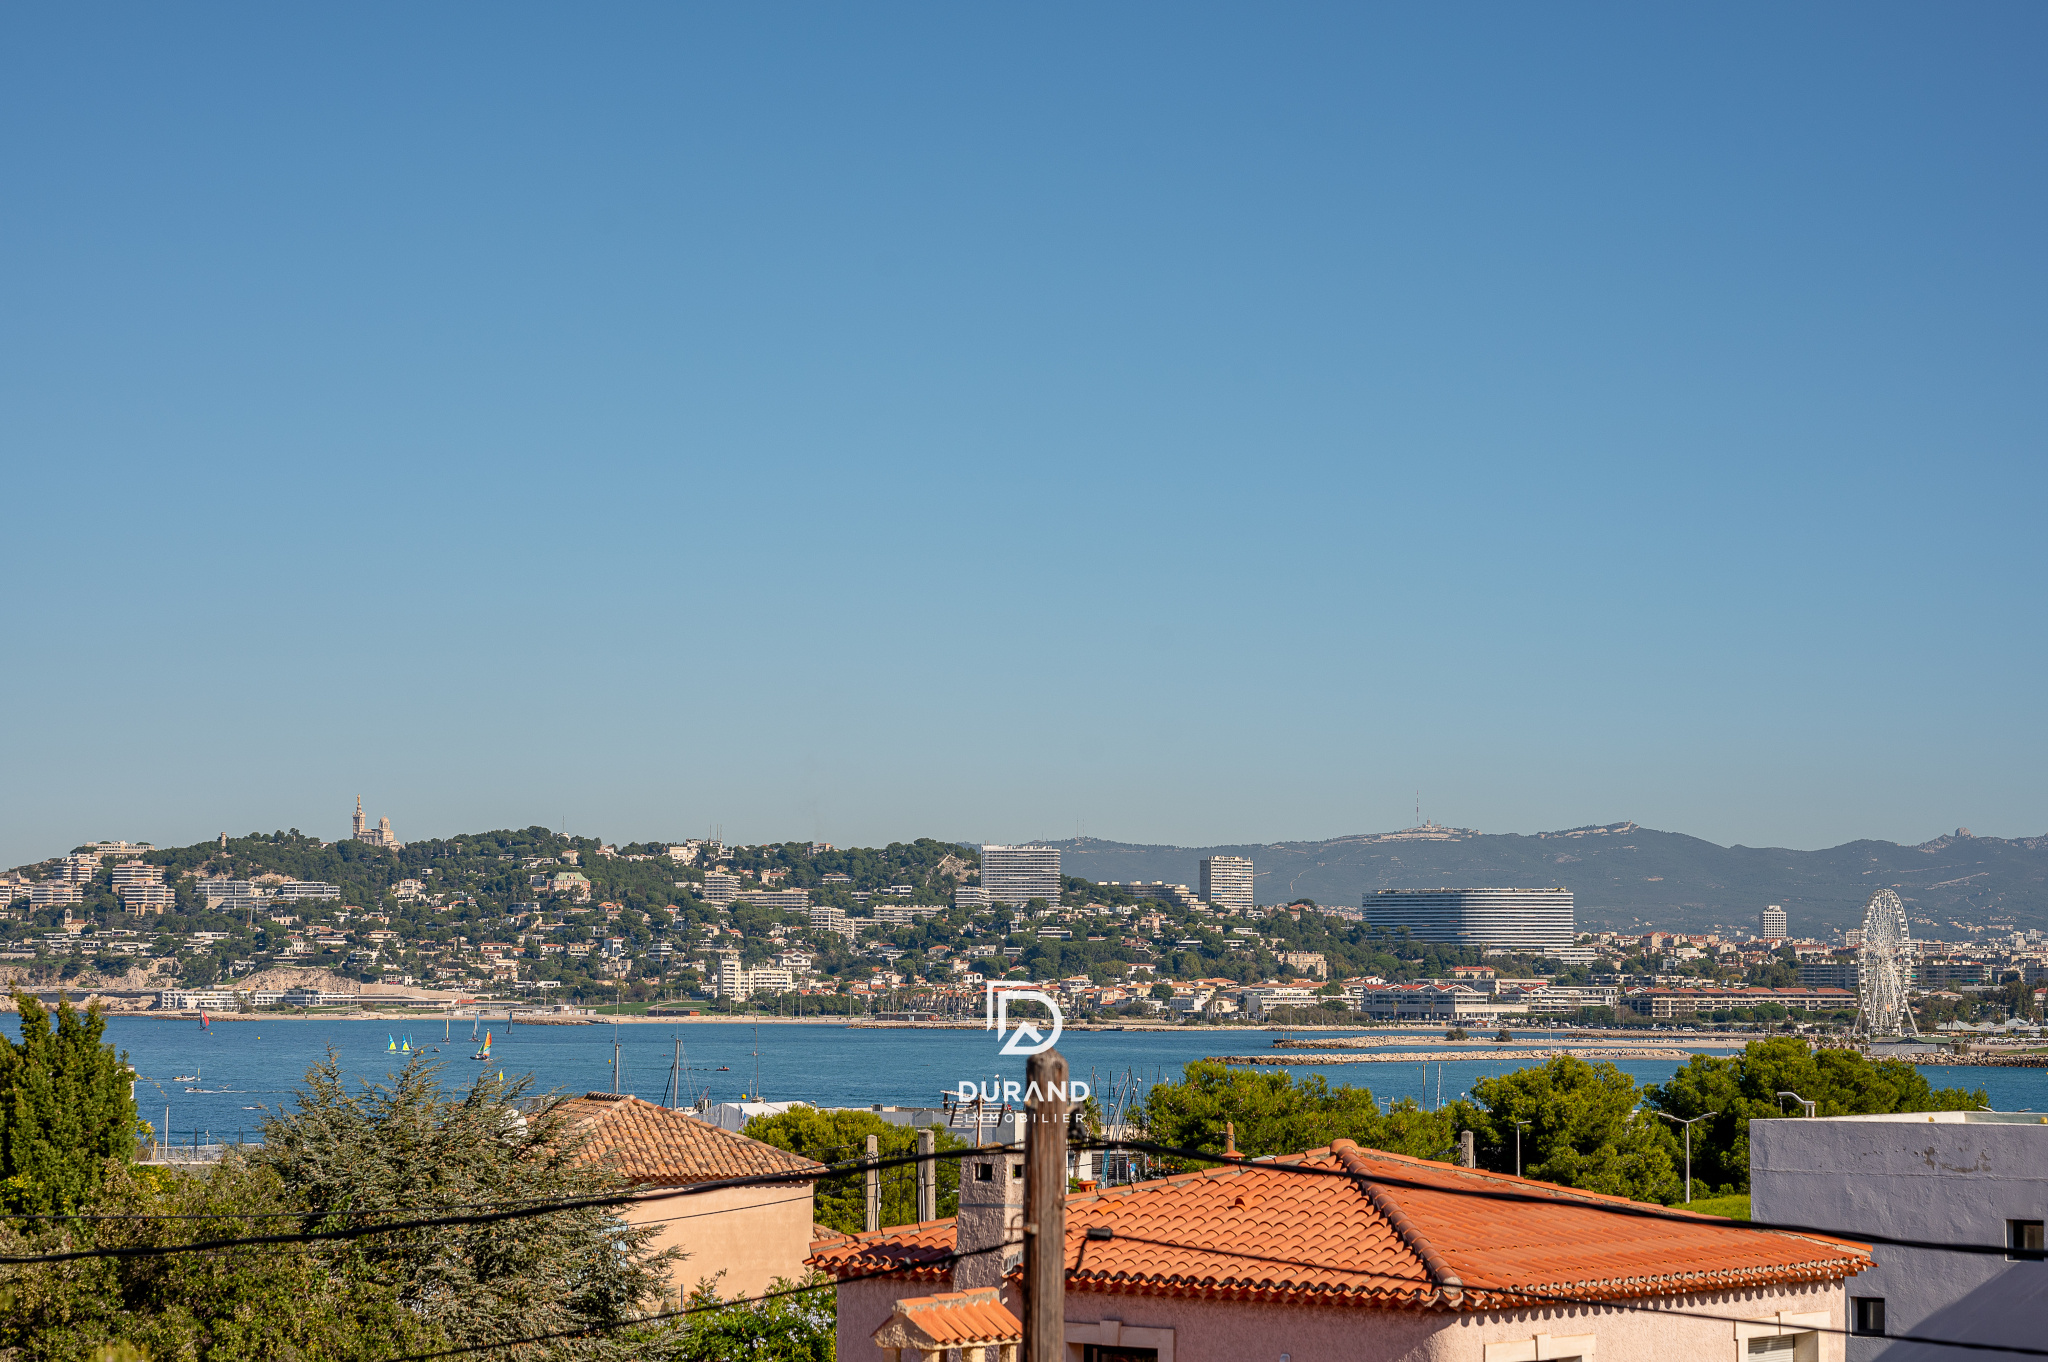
[1273, 1235]
[1553, 1191]
[1447, 1282]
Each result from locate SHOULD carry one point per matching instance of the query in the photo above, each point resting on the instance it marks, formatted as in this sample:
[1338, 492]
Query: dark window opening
[1866, 1315]
[1016, 1170]
[984, 1172]
[1095, 1352]
[2023, 1239]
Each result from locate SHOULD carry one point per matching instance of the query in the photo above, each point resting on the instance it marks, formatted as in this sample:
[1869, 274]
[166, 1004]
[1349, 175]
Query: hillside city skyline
[1429, 855]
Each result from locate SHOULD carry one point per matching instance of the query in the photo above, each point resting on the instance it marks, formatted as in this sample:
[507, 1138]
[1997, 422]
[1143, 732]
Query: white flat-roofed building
[905, 915]
[1968, 1177]
[720, 887]
[829, 919]
[54, 893]
[308, 889]
[1771, 924]
[1017, 875]
[1227, 882]
[1432, 1002]
[79, 867]
[134, 873]
[186, 1000]
[783, 900]
[1504, 919]
[147, 898]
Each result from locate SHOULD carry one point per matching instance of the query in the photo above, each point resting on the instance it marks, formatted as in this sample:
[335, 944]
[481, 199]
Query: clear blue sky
[1186, 424]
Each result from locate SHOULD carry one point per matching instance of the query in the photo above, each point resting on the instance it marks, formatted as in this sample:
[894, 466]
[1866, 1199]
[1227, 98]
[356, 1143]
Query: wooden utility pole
[927, 1175]
[1045, 1210]
[874, 1187]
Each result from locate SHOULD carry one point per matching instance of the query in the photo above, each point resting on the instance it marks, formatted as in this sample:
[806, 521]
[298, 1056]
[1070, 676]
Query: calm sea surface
[245, 1065]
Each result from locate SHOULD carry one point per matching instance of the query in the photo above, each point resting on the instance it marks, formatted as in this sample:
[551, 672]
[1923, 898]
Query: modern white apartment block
[133, 873]
[79, 867]
[720, 887]
[1017, 875]
[1771, 924]
[308, 889]
[188, 1000]
[905, 915]
[147, 898]
[835, 920]
[783, 900]
[736, 981]
[229, 894]
[970, 896]
[1501, 919]
[1227, 882]
[1968, 1177]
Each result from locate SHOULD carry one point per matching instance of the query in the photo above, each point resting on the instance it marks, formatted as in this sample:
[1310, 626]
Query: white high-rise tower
[1227, 882]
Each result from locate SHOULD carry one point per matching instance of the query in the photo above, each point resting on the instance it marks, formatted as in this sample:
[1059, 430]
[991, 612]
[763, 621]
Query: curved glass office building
[1500, 919]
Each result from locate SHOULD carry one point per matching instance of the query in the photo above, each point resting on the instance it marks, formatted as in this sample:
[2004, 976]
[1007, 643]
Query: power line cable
[1583, 1200]
[834, 1284]
[487, 1217]
[1591, 1201]
[1553, 1298]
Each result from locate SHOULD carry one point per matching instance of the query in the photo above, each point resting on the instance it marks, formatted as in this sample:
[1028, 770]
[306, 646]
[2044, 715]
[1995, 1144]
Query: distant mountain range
[1625, 876]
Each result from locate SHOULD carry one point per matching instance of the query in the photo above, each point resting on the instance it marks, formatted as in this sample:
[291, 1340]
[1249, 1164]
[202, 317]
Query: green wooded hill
[1624, 876]
[491, 867]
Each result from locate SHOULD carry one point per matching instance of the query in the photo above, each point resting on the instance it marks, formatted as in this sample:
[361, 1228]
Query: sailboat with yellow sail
[484, 1054]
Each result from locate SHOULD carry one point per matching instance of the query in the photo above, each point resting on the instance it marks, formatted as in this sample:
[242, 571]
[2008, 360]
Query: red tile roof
[655, 1146]
[1263, 1233]
[956, 1319]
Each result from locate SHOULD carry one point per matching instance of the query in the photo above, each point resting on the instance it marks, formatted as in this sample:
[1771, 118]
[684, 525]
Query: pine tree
[352, 1157]
[66, 1108]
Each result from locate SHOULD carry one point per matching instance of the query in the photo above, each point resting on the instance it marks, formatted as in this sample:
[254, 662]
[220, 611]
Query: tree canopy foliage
[65, 1110]
[403, 1144]
[1279, 1114]
[1580, 1128]
[836, 1136]
[1745, 1087]
[343, 1159]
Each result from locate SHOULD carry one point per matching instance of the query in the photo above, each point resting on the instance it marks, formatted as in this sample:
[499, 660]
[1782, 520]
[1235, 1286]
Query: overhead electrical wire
[538, 1208]
[1517, 1293]
[605, 1202]
[1591, 1201]
[608, 1326]
[620, 1199]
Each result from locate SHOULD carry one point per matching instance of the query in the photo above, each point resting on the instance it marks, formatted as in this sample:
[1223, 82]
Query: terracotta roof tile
[1262, 1232]
[655, 1146]
[950, 1321]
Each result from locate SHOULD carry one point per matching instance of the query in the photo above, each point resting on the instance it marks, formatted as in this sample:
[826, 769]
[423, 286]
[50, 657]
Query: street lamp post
[1518, 1147]
[1687, 1123]
[1802, 1101]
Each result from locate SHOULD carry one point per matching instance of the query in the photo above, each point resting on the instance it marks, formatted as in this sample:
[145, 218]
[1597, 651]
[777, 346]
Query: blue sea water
[244, 1066]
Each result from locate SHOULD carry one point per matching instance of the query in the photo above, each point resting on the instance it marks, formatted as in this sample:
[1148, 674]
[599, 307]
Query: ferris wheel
[1883, 966]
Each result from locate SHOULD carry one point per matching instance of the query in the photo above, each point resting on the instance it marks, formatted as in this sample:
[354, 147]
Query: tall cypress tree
[66, 1107]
